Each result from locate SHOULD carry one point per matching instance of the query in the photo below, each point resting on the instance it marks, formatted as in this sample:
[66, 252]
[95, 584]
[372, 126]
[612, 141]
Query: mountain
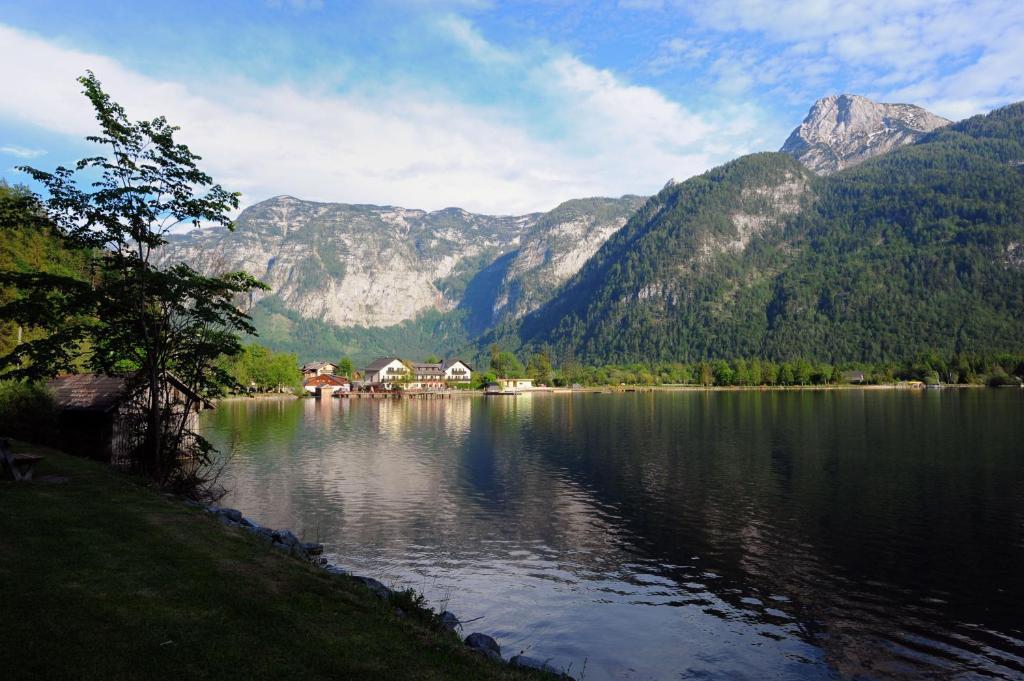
[917, 249]
[841, 131]
[550, 251]
[364, 280]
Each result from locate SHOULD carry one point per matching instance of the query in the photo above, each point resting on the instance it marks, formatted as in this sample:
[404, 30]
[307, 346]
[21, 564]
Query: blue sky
[494, 107]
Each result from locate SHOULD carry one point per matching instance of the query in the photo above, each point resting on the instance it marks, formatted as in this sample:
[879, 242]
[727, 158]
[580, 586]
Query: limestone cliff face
[843, 130]
[555, 248]
[377, 266]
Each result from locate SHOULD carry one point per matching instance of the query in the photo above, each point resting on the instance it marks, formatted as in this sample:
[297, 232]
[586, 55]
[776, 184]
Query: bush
[27, 411]
[1000, 379]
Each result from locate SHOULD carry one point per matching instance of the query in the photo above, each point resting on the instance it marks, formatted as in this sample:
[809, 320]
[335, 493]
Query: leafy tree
[482, 378]
[135, 315]
[802, 372]
[505, 364]
[432, 359]
[723, 372]
[346, 368]
[741, 373]
[260, 368]
[539, 368]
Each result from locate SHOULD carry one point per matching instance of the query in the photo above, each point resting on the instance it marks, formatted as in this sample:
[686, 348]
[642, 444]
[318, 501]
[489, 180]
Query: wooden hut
[99, 415]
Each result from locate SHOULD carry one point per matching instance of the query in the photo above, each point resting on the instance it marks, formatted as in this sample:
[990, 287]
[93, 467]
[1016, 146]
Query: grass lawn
[103, 578]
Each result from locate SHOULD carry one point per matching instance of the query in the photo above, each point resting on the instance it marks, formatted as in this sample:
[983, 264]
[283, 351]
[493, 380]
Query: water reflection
[679, 535]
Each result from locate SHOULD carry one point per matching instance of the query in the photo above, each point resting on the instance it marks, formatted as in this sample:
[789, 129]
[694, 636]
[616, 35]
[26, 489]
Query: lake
[671, 535]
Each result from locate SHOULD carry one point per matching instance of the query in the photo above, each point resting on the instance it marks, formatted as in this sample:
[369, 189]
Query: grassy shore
[103, 578]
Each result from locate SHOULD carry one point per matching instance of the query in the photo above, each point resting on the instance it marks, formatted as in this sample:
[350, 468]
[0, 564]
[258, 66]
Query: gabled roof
[88, 392]
[381, 362]
[314, 366]
[425, 368]
[324, 379]
[104, 392]
[449, 363]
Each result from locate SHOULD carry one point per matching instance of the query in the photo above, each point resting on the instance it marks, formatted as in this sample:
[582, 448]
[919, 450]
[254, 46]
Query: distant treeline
[259, 369]
[961, 368]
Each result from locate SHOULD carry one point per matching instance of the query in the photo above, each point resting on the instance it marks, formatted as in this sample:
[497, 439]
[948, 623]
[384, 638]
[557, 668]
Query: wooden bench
[21, 466]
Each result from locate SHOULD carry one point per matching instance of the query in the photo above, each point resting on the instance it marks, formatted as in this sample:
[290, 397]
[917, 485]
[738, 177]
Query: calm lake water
[846, 534]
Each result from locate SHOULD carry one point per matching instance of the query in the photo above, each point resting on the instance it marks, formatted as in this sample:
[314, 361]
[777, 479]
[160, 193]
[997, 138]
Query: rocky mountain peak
[843, 130]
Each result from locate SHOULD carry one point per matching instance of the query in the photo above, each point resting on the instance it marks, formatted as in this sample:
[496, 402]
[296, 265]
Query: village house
[310, 369]
[427, 376]
[456, 371]
[326, 385]
[98, 415]
[385, 371]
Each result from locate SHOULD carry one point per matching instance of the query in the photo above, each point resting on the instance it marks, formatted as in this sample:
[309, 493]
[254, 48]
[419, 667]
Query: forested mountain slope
[29, 245]
[920, 248]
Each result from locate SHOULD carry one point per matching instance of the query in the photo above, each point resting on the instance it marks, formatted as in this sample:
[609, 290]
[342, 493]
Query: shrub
[27, 411]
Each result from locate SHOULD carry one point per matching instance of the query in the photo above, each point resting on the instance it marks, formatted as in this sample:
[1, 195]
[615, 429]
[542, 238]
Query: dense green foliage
[1005, 369]
[259, 369]
[30, 246]
[928, 367]
[26, 411]
[505, 364]
[539, 368]
[346, 368]
[919, 249]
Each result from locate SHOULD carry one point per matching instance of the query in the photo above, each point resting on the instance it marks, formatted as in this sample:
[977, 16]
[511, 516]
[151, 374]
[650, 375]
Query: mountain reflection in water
[854, 533]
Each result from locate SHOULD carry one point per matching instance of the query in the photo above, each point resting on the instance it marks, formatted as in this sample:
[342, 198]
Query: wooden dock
[397, 394]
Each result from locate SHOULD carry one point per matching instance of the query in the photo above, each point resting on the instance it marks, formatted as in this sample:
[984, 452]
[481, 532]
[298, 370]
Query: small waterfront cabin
[326, 384]
[854, 377]
[495, 388]
[516, 384]
[98, 414]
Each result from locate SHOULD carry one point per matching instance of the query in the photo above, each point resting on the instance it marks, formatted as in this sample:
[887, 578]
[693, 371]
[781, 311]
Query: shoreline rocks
[286, 542]
[484, 644]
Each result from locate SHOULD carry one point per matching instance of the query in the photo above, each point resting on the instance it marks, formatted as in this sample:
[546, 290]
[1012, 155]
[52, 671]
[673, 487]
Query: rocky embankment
[286, 542]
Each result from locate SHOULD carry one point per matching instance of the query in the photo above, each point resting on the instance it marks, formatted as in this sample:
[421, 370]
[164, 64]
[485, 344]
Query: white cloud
[955, 57]
[398, 145]
[465, 36]
[678, 52]
[22, 152]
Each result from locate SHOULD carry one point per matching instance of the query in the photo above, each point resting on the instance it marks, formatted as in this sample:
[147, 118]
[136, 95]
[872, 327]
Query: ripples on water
[874, 534]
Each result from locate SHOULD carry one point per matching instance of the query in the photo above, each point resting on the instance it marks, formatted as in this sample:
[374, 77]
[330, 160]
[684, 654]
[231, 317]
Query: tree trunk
[154, 425]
